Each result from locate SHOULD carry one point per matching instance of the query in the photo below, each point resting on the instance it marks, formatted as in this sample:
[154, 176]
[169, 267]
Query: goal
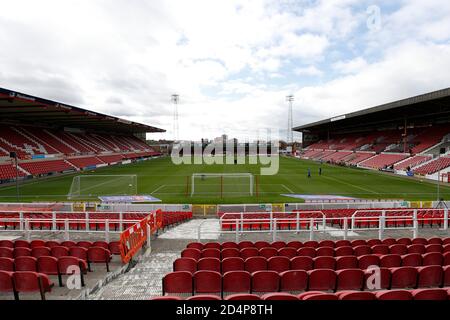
[86, 186]
[222, 184]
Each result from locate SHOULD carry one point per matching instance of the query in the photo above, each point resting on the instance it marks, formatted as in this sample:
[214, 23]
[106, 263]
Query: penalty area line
[287, 189]
[161, 186]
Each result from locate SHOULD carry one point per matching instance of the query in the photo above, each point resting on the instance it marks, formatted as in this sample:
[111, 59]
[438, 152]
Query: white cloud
[350, 66]
[308, 71]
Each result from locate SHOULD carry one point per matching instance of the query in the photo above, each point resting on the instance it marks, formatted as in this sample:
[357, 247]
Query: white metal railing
[317, 225]
[106, 226]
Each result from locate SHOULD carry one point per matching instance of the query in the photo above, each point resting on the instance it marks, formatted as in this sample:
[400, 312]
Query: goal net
[85, 186]
[222, 184]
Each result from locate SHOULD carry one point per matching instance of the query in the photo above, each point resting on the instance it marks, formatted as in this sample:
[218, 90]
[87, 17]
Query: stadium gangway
[314, 224]
[382, 213]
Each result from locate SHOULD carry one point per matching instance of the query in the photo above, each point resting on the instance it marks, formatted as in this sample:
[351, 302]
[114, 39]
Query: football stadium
[353, 205]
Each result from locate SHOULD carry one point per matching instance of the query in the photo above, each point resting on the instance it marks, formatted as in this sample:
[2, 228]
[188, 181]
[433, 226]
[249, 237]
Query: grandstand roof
[16, 107]
[432, 107]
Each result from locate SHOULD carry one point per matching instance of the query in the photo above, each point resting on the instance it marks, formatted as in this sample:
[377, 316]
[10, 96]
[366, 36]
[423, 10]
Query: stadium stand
[433, 166]
[382, 160]
[412, 162]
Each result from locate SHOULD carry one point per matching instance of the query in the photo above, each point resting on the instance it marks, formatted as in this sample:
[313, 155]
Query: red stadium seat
[40, 251]
[394, 295]
[430, 276]
[405, 241]
[416, 248]
[31, 282]
[84, 244]
[398, 249]
[430, 294]
[114, 247]
[211, 253]
[212, 245]
[21, 244]
[6, 264]
[167, 298]
[432, 258]
[22, 252]
[6, 253]
[232, 264]
[230, 244]
[236, 297]
[421, 241]
[37, 243]
[360, 242]
[25, 264]
[68, 244]
[265, 281]
[324, 262]
[99, 255]
[311, 244]
[307, 252]
[278, 264]
[185, 264]
[191, 253]
[433, 248]
[287, 252]
[368, 260]
[59, 251]
[230, 252]
[203, 297]
[278, 245]
[253, 264]
[302, 263]
[211, 264]
[293, 281]
[380, 249]
[362, 250]
[446, 276]
[70, 266]
[278, 296]
[249, 252]
[435, 240]
[268, 252]
[373, 242]
[6, 282]
[236, 282]
[6, 244]
[350, 279]
[344, 251]
[325, 252]
[48, 265]
[382, 281]
[322, 280]
[262, 244]
[403, 277]
[207, 282]
[412, 260]
[389, 241]
[245, 244]
[102, 244]
[356, 295]
[321, 296]
[326, 243]
[179, 282]
[295, 244]
[346, 262]
[390, 261]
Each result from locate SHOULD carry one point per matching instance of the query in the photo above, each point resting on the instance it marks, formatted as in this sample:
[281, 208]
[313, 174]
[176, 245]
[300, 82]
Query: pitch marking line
[288, 189]
[161, 186]
[350, 184]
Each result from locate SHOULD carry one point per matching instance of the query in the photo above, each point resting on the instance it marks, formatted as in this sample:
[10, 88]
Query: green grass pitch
[168, 182]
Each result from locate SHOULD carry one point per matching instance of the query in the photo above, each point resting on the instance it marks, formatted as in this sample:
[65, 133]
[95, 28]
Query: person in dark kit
[309, 173]
[320, 171]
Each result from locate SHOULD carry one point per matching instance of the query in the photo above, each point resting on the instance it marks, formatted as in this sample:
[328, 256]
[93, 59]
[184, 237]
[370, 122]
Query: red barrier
[133, 238]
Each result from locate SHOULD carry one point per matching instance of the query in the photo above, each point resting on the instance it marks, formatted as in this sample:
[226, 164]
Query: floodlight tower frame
[175, 98]
[290, 134]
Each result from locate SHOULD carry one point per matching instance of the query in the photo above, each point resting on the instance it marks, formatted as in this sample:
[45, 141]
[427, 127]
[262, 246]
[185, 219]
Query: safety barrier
[314, 225]
[136, 236]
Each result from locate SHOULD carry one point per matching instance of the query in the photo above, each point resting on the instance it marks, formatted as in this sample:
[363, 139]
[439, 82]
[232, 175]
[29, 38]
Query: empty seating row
[282, 263]
[46, 265]
[24, 282]
[380, 249]
[113, 246]
[383, 160]
[316, 244]
[212, 282]
[415, 294]
[43, 167]
[91, 254]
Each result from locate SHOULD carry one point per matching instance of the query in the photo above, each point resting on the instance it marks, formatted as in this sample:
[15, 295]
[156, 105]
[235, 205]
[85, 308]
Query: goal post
[86, 186]
[222, 184]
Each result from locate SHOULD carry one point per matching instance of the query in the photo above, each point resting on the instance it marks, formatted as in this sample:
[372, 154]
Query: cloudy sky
[232, 62]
